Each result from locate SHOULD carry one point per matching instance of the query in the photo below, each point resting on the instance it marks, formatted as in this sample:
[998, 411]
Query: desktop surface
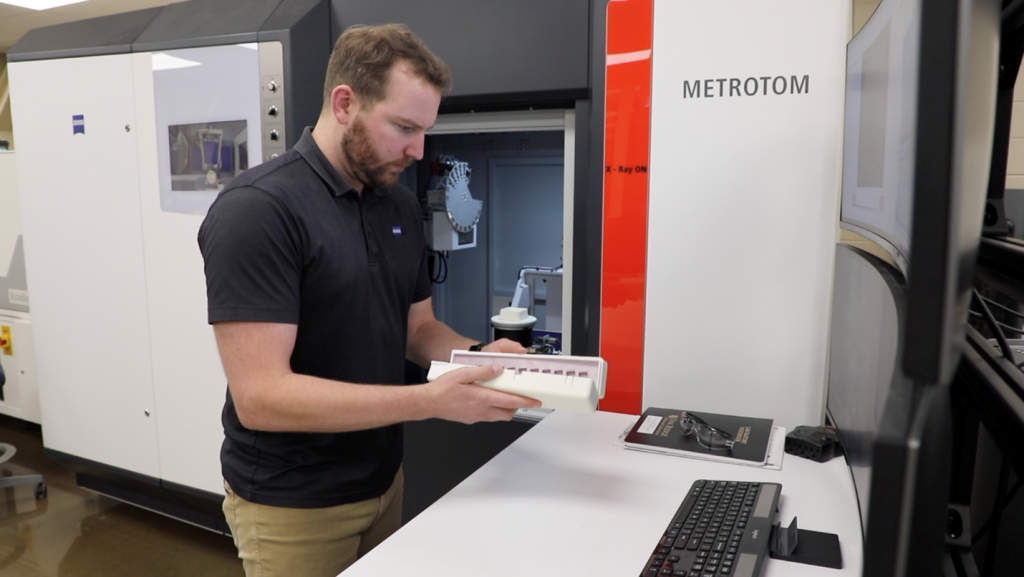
[567, 499]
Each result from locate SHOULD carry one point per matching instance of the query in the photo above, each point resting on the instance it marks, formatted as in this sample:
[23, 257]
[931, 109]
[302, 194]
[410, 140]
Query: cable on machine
[438, 266]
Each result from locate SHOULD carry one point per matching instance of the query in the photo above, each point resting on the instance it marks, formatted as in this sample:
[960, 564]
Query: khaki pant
[279, 542]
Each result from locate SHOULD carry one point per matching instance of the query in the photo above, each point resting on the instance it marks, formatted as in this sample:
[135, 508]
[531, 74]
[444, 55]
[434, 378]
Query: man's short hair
[363, 56]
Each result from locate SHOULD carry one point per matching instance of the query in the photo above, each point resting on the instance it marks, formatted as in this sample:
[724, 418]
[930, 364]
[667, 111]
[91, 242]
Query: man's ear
[344, 103]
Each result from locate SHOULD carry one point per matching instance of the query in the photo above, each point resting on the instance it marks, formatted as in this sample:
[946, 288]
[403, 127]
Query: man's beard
[363, 161]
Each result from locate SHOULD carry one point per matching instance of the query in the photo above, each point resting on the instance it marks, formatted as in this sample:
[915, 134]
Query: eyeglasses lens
[708, 436]
[712, 439]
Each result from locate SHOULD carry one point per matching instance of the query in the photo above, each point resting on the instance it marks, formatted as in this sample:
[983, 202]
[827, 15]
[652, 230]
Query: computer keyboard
[721, 529]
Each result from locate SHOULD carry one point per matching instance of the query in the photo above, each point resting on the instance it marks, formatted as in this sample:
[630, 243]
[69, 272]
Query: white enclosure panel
[188, 381]
[20, 394]
[744, 182]
[83, 247]
[10, 210]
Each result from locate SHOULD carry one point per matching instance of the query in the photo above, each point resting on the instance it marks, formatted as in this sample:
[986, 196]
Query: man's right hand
[456, 396]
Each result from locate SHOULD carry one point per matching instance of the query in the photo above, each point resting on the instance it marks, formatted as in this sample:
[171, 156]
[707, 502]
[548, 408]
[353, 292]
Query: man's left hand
[504, 346]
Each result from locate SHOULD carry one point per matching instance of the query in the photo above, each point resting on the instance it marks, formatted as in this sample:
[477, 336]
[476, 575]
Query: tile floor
[77, 533]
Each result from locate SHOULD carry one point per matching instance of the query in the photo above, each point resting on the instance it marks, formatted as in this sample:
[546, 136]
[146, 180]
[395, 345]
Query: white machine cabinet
[129, 126]
[19, 398]
[131, 377]
[79, 182]
[188, 381]
[744, 177]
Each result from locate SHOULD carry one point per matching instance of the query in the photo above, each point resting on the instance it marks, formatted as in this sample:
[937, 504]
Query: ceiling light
[40, 4]
[163, 61]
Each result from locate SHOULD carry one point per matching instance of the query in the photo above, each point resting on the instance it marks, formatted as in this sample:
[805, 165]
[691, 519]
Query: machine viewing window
[208, 122]
[207, 155]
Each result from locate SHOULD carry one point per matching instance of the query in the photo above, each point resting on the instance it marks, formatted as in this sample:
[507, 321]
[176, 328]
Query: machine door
[199, 126]
[76, 126]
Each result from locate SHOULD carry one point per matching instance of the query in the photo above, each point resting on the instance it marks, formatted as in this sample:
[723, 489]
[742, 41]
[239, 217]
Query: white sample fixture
[525, 295]
[513, 318]
[571, 383]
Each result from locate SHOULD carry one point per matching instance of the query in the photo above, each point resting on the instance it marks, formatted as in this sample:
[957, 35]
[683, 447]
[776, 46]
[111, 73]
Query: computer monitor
[868, 313]
[922, 84]
[879, 128]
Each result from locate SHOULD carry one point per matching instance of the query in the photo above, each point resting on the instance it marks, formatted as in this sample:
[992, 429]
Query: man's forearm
[302, 403]
[434, 341]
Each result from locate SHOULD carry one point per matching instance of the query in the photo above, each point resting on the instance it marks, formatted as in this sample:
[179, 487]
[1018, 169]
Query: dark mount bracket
[803, 546]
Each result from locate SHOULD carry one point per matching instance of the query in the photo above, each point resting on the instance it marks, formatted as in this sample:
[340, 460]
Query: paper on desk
[776, 448]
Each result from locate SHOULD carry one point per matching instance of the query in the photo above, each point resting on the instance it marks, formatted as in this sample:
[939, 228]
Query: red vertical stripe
[627, 151]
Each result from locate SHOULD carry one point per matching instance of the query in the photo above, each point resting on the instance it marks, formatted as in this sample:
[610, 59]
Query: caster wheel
[41, 491]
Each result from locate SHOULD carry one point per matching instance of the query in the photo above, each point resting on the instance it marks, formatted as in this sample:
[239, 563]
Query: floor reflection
[77, 533]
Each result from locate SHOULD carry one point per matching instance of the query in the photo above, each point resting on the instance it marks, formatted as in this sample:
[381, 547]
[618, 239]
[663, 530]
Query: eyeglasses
[708, 436]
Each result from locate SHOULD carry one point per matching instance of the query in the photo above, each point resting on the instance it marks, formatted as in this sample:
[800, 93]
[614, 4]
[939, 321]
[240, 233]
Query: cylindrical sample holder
[514, 323]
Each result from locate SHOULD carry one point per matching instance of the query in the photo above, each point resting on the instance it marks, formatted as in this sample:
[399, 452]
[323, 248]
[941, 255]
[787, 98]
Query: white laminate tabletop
[567, 499]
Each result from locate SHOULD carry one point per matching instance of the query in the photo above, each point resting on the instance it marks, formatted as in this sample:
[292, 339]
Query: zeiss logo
[752, 86]
[754, 536]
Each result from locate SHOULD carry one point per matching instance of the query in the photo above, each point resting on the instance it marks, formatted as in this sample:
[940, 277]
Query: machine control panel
[272, 99]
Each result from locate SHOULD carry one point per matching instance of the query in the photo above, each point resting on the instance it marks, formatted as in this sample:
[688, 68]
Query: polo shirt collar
[309, 150]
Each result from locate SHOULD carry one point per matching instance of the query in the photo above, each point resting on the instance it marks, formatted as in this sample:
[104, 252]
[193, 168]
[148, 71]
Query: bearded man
[318, 291]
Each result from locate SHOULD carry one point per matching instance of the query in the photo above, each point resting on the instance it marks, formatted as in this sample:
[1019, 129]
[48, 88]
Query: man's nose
[415, 147]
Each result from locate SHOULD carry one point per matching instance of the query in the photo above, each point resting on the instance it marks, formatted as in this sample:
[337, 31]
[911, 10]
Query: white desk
[565, 500]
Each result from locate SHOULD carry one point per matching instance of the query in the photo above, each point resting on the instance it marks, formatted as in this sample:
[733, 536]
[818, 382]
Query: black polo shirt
[289, 241]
